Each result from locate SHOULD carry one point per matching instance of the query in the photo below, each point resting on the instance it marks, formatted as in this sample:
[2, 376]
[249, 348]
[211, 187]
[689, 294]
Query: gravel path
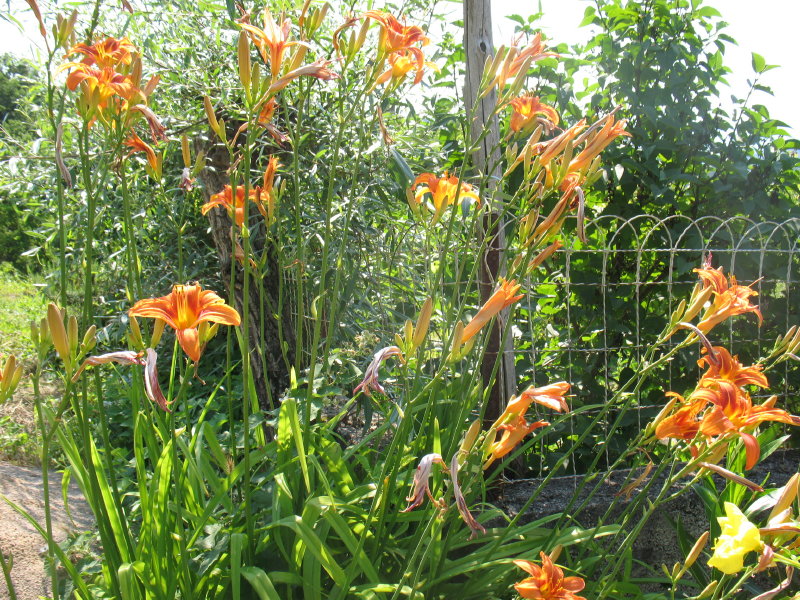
[19, 539]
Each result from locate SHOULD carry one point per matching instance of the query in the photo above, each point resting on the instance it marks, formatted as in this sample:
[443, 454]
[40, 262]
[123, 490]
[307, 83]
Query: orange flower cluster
[729, 299]
[726, 407]
[443, 191]
[528, 110]
[109, 77]
[401, 45]
[512, 423]
[264, 197]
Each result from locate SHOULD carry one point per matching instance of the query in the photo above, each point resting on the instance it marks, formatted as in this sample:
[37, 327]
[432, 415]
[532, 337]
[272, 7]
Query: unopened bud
[699, 298]
[694, 553]
[58, 332]
[244, 62]
[187, 155]
[471, 435]
[158, 330]
[423, 322]
[708, 590]
[89, 339]
[72, 334]
[787, 497]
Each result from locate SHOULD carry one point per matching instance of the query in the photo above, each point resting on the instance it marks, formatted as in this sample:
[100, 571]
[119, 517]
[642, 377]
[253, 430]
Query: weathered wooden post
[486, 159]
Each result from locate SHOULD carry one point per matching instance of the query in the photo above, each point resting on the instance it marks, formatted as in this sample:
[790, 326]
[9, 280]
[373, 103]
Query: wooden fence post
[486, 159]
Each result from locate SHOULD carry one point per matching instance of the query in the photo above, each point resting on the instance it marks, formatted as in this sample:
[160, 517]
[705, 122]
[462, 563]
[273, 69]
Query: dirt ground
[19, 539]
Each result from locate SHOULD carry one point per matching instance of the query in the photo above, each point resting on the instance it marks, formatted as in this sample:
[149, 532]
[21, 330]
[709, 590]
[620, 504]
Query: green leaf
[261, 583]
[758, 62]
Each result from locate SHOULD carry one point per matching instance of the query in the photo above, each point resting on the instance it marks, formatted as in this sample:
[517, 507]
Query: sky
[767, 27]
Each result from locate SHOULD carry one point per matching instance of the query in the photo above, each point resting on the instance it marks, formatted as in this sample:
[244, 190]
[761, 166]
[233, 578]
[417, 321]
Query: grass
[22, 302]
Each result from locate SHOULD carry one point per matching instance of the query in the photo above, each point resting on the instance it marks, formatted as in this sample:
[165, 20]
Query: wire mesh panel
[592, 322]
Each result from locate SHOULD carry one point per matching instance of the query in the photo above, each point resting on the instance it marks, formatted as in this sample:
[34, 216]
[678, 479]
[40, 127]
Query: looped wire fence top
[591, 322]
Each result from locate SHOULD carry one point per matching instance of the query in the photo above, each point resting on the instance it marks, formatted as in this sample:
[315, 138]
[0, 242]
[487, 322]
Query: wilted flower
[147, 359]
[513, 432]
[739, 536]
[185, 309]
[370, 382]
[137, 144]
[421, 478]
[547, 582]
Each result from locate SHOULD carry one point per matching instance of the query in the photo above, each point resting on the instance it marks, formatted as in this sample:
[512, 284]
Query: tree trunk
[269, 370]
[486, 159]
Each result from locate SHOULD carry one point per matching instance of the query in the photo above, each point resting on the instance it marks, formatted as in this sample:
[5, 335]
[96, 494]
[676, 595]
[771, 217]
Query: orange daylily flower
[272, 41]
[234, 205]
[683, 423]
[105, 81]
[526, 110]
[505, 295]
[513, 433]
[444, 191]
[400, 63]
[551, 396]
[185, 309]
[730, 299]
[394, 35]
[733, 412]
[547, 582]
[137, 144]
[110, 52]
[728, 368]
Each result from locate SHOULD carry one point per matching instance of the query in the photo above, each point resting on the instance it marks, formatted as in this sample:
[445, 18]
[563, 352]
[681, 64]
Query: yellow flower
[739, 536]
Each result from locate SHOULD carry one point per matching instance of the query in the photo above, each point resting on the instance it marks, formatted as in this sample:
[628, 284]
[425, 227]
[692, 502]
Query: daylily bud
[244, 62]
[699, 298]
[315, 18]
[212, 119]
[35, 333]
[135, 334]
[694, 553]
[63, 29]
[44, 332]
[471, 435]
[556, 552]
[423, 321]
[458, 334]
[187, 156]
[787, 497]
[708, 590]
[357, 42]
[408, 331]
[677, 314]
[72, 334]
[55, 322]
[89, 339]
[9, 378]
[158, 330]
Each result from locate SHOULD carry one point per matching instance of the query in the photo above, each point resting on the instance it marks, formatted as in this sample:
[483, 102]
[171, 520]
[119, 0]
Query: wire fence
[592, 323]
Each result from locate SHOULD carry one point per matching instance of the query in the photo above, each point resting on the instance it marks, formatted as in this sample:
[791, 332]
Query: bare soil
[19, 538]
